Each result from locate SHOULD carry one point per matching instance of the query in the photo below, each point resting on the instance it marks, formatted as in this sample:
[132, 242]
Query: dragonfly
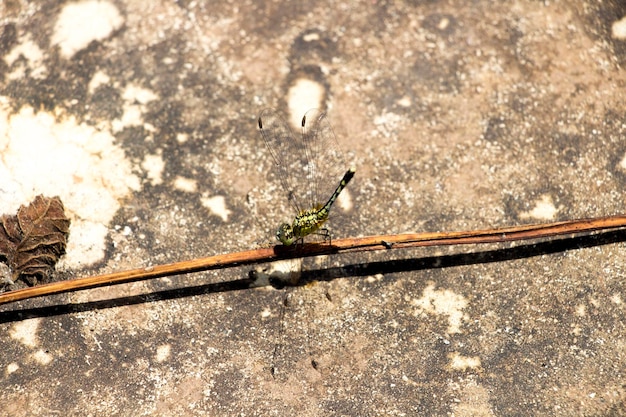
[312, 173]
[308, 167]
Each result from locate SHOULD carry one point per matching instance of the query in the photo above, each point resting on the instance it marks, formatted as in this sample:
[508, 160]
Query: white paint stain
[25, 332]
[442, 302]
[42, 357]
[188, 185]
[33, 60]
[163, 353]
[310, 37]
[135, 100]
[544, 210]
[287, 271]
[622, 163]
[12, 367]
[618, 29]
[154, 165]
[80, 23]
[344, 201]
[459, 362]
[134, 93]
[182, 137]
[98, 79]
[217, 206]
[302, 96]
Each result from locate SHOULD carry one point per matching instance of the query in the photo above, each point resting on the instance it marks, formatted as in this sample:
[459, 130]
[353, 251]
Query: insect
[308, 167]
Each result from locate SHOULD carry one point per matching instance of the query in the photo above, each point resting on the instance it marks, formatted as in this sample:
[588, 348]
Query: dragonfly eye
[284, 234]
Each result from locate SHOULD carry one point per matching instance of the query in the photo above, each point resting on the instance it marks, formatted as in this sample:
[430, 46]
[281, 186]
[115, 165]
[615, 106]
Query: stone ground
[141, 116]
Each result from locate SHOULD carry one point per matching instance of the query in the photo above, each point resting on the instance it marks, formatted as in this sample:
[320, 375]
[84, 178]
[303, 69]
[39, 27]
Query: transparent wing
[326, 165]
[290, 159]
[309, 166]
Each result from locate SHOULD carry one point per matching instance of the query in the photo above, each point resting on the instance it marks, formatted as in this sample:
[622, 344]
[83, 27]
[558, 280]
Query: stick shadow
[330, 274]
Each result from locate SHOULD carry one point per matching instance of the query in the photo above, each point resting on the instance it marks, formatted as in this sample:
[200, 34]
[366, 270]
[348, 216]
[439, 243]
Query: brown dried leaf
[33, 241]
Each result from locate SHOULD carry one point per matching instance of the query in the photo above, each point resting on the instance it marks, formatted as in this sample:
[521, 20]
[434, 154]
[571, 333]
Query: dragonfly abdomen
[309, 221]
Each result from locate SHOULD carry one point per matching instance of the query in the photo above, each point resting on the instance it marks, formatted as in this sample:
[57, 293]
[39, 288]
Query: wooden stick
[381, 242]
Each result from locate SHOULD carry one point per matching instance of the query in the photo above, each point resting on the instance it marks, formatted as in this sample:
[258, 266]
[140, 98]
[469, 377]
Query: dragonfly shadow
[330, 274]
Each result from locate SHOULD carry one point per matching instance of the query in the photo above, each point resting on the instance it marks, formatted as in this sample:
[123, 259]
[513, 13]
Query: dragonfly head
[285, 234]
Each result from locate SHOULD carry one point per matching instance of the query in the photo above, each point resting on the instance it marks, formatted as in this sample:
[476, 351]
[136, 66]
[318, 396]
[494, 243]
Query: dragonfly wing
[325, 163]
[287, 151]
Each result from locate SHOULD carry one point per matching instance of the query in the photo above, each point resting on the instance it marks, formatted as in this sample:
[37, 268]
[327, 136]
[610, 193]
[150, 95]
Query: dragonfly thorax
[307, 222]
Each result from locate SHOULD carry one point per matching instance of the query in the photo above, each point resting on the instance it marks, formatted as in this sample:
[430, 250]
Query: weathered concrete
[457, 115]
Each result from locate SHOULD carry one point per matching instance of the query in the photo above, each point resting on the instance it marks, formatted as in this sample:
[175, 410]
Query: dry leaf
[33, 241]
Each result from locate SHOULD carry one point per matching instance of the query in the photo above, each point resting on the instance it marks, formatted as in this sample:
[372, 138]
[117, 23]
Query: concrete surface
[141, 115]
